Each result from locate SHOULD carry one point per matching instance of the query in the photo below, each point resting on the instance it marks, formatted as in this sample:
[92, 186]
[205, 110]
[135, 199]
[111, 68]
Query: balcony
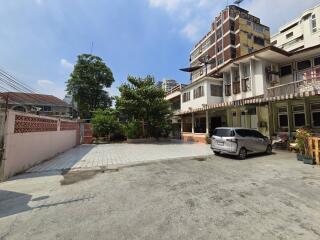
[304, 81]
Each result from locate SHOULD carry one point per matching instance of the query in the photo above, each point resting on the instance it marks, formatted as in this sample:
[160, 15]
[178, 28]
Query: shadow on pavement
[14, 202]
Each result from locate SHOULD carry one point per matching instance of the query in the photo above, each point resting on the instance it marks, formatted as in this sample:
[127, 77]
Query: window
[242, 132]
[304, 65]
[233, 39]
[258, 40]
[198, 92]
[317, 61]
[283, 117]
[223, 132]
[274, 42]
[220, 61]
[258, 28]
[256, 134]
[249, 35]
[313, 23]
[219, 33]
[232, 25]
[219, 22]
[246, 70]
[219, 49]
[298, 116]
[289, 35]
[315, 114]
[200, 125]
[46, 108]
[216, 90]
[286, 70]
[186, 97]
[248, 23]
[233, 53]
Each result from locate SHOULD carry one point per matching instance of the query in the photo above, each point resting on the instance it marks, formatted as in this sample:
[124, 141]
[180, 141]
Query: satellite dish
[237, 2]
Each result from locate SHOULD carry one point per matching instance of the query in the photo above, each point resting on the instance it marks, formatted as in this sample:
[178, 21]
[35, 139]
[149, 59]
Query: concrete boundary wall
[30, 139]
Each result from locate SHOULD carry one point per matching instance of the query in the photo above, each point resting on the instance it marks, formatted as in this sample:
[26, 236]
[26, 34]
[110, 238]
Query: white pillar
[181, 124]
[207, 122]
[192, 119]
[252, 82]
[231, 82]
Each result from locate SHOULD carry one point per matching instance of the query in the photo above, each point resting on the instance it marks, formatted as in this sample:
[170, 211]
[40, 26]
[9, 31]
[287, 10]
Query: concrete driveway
[264, 197]
[111, 155]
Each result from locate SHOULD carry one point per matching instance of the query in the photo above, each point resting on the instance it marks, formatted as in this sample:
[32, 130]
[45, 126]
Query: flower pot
[307, 160]
[299, 157]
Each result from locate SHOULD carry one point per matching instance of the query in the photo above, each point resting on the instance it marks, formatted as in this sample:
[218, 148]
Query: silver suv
[239, 142]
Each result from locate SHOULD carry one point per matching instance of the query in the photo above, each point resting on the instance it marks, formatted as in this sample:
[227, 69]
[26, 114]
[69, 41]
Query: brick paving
[94, 156]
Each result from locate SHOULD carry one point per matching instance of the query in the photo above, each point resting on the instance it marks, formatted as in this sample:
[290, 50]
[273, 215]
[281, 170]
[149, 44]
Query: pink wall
[24, 150]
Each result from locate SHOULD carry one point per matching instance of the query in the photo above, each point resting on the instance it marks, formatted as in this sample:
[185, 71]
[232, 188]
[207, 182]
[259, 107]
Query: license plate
[220, 143]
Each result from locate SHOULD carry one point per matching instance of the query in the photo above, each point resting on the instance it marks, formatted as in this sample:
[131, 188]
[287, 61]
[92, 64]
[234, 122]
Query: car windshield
[223, 132]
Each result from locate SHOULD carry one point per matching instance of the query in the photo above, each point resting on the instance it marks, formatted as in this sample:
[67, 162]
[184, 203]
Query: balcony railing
[175, 89]
[305, 81]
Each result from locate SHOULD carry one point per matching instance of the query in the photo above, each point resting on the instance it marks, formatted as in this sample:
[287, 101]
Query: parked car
[239, 142]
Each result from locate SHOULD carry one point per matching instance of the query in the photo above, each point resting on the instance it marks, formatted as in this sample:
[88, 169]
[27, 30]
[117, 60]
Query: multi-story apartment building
[168, 84]
[266, 88]
[271, 90]
[234, 33]
[302, 32]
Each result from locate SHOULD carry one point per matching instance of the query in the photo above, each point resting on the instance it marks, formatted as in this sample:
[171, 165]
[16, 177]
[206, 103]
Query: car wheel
[269, 150]
[242, 153]
[216, 153]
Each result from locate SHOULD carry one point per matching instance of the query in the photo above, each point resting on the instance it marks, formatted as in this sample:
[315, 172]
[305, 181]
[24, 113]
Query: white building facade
[302, 32]
[270, 90]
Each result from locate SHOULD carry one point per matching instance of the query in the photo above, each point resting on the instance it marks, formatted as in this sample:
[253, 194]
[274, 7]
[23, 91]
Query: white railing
[303, 81]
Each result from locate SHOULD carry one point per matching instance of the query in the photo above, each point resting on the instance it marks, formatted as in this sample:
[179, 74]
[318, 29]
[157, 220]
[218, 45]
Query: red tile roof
[33, 99]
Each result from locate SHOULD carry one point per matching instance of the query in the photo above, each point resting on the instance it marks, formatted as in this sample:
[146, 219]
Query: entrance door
[215, 122]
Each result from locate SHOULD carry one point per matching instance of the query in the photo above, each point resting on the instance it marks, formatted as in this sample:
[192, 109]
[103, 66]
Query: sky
[41, 39]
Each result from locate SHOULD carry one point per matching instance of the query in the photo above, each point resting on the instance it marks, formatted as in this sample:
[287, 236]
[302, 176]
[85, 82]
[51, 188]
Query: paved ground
[266, 197]
[93, 156]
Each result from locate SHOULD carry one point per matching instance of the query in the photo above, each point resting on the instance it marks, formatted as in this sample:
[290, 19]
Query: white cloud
[44, 83]
[169, 5]
[191, 14]
[285, 11]
[196, 16]
[49, 87]
[193, 30]
[66, 64]
[39, 2]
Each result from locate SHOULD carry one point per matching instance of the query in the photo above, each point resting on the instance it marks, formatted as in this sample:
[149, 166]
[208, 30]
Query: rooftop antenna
[237, 2]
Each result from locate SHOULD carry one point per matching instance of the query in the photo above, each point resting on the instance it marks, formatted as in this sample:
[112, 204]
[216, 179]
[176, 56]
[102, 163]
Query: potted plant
[302, 136]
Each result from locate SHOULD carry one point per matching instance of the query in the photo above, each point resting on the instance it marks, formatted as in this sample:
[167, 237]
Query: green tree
[141, 100]
[87, 82]
[105, 123]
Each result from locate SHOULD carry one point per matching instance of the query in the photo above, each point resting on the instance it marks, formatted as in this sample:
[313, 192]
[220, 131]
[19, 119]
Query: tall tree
[87, 83]
[142, 100]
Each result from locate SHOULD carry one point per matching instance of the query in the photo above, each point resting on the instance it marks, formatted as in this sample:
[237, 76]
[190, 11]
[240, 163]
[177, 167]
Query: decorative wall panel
[25, 124]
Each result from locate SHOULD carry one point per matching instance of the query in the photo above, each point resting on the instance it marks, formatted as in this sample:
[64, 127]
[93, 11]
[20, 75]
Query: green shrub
[105, 123]
[133, 129]
[302, 135]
